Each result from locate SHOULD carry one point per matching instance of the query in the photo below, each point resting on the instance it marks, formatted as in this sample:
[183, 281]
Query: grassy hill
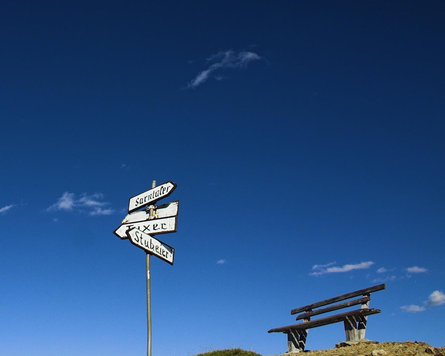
[363, 349]
[232, 352]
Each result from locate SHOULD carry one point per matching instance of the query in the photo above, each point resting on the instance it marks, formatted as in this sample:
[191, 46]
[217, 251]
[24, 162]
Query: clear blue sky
[307, 142]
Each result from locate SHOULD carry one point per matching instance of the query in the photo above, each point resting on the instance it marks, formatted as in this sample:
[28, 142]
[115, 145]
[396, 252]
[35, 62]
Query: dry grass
[384, 349]
[232, 352]
[362, 349]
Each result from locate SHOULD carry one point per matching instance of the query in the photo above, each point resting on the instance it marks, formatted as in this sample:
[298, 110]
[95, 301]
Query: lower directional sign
[153, 227]
[151, 245]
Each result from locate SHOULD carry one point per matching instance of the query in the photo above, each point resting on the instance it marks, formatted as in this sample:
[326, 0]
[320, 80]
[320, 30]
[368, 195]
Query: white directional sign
[151, 245]
[153, 227]
[161, 211]
[150, 196]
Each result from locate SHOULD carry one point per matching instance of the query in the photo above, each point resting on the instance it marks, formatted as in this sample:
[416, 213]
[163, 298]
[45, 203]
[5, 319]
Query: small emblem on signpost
[160, 211]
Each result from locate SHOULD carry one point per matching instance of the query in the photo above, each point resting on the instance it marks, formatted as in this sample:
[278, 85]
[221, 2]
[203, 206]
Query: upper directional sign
[151, 245]
[150, 196]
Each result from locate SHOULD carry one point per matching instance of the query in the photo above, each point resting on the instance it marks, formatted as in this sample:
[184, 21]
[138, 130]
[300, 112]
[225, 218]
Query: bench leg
[363, 320]
[355, 328]
[362, 327]
[296, 340]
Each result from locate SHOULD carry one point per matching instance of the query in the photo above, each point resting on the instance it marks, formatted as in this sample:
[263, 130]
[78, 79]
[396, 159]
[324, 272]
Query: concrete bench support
[355, 328]
[296, 340]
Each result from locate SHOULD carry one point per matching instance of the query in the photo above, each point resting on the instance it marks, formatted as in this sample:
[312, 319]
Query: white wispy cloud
[318, 267]
[92, 204]
[6, 208]
[436, 298]
[93, 200]
[65, 202]
[382, 270]
[384, 279]
[100, 211]
[221, 262]
[221, 61]
[416, 269]
[413, 308]
[318, 270]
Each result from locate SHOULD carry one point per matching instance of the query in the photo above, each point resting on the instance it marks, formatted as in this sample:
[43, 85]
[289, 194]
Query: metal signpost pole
[149, 297]
[148, 307]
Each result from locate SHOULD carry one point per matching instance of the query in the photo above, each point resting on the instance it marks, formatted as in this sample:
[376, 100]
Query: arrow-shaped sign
[153, 227]
[151, 245]
[161, 211]
[150, 196]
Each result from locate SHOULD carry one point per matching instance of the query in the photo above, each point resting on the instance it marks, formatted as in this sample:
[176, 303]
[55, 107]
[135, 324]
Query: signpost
[139, 225]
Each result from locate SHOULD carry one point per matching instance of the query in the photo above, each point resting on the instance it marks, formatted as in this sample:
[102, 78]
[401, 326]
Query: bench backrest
[364, 301]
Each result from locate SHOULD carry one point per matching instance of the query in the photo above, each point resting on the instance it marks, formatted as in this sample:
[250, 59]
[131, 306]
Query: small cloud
[416, 269]
[315, 267]
[413, 308]
[222, 61]
[436, 298]
[6, 208]
[246, 57]
[382, 270]
[65, 202]
[200, 78]
[383, 280]
[99, 211]
[324, 269]
[91, 200]
[92, 204]
[221, 262]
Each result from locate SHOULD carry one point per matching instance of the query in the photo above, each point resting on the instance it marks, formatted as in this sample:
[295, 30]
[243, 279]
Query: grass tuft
[232, 352]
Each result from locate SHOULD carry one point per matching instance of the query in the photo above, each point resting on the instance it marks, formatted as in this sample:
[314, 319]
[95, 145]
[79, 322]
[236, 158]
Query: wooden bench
[354, 320]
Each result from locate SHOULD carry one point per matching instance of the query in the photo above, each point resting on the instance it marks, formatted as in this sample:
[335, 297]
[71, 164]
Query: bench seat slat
[326, 320]
[339, 298]
[333, 307]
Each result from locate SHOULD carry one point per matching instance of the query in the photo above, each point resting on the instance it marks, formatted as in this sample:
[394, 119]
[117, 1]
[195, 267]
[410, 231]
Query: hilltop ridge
[408, 348]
